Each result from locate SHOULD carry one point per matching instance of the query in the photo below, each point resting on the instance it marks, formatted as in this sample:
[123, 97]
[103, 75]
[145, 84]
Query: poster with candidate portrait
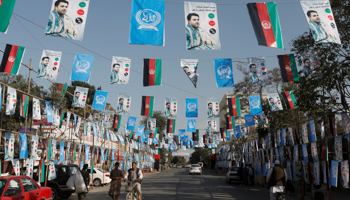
[338, 148]
[344, 171]
[49, 65]
[9, 146]
[11, 99]
[321, 21]
[274, 102]
[79, 97]
[190, 67]
[213, 109]
[257, 70]
[202, 26]
[120, 70]
[124, 102]
[212, 125]
[346, 123]
[316, 174]
[67, 19]
[304, 133]
[314, 153]
[309, 61]
[36, 109]
[170, 110]
[151, 125]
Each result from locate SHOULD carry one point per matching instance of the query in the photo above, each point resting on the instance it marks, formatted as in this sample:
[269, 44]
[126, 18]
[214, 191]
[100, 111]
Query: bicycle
[131, 193]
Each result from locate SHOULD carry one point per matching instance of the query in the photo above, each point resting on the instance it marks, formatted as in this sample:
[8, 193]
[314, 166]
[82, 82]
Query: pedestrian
[251, 175]
[276, 178]
[116, 176]
[245, 176]
[86, 177]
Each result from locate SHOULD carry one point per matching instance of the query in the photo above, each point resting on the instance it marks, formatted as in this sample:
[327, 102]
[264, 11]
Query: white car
[187, 166]
[195, 169]
[100, 177]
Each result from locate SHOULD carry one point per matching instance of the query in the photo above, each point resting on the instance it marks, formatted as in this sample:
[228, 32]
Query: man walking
[116, 176]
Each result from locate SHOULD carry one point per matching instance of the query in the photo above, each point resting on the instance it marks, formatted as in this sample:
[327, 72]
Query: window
[2, 186]
[28, 185]
[196, 165]
[89, 170]
[14, 188]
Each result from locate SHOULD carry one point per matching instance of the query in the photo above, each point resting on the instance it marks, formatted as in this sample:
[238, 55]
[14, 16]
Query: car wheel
[65, 195]
[54, 194]
[97, 182]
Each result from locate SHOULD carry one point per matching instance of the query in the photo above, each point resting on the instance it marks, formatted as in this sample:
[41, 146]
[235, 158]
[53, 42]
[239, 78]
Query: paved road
[176, 184]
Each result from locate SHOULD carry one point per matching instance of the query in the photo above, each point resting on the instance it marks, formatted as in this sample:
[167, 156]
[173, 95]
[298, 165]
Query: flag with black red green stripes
[147, 106]
[152, 72]
[12, 58]
[24, 105]
[288, 67]
[289, 98]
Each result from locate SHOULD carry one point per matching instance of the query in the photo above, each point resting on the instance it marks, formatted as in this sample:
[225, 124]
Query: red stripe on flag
[147, 102]
[290, 101]
[152, 72]
[230, 122]
[234, 107]
[170, 126]
[11, 59]
[266, 24]
[288, 68]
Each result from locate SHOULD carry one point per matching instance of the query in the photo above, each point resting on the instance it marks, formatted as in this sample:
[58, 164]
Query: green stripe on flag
[275, 22]
[25, 106]
[131, 134]
[18, 60]
[75, 148]
[151, 101]
[197, 132]
[158, 78]
[238, 106]
[42, 171]
[62, 118]
[155, 133]
[49, 150]
[293, 65]
[173, 126]
[6, 13]
[119, 120]
[92, 160]
[293, 98]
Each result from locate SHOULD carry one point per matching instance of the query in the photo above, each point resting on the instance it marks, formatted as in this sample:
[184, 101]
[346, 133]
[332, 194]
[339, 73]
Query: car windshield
[234, 169]
[102, 171]
[196, 166]
[2, 186]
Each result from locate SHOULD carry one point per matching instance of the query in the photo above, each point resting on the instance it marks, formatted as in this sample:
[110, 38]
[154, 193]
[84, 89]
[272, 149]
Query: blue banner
[107, 133]
[182, 133]
[131, 123]
[103, 156]
[191, 125]
[112, 156]
[191, 108]
[147, 22]
[312, 131]
[228, 135]
[140, 130]
[249, 120]
[305, 154]
[223, 73]
[100, 100]
[49, 112]
[62, 151]
[185, 141]
[255, 105]
[333, 174]
[87, 152]
[81, 68]
[145, 136]
[23, 149]
[94, 130]
[237, 132]
[283, 137]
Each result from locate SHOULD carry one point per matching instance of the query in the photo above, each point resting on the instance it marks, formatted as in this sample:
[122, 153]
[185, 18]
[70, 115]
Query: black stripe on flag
[254, 17]
[143, 105]
[230, 106]
[145, 72]
[283, 68]
[5, 57]
[286, 100]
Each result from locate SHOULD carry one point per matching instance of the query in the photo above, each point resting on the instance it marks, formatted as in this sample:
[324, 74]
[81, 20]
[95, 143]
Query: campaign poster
[346, 123]
[213, 109]
[120, 70]
[11, 99]
[338, 148]
[9, 146]
[170, 108]
[212, 125]
[124, 102]
[67, 19]
[36, 109]
[79, 97]
[49, 65]
[344, 171]
[190, 67]
[274, 102]
[257, 71]
[309, 61]
[314, 153]
[202, 26]
[151, 125]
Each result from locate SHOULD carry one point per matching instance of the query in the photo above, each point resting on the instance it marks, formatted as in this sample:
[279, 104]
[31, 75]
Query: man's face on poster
[307, 63]
[77, 94]
[210, 106]
[253, 68]
[271, 101]
[121, 101]
[314, 17]
[45, 61]
[61, 9]
[194, 22]
[8, 98]
[116, 67]
[168, 105]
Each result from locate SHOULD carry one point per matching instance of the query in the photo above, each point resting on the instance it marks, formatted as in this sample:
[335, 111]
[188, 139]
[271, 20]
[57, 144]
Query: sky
[107, 34]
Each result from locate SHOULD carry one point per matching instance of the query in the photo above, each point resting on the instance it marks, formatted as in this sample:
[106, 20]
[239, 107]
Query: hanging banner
[23, 149]
[257, 70]
[312, 131]
[100, 100]
[305, 154]
[140, 130]
[213, 109]
[190, 67]
[52, 171]
[289, 99]
[295, 153]
[309, 61]
[131, 123]
[345, 173]
[29, 167]
[346, 123]
[170, 108]
[321, 21]
[34, 148]
[82, 68]
[333, 174]
[234, 106]
[304, 133]
[288, 68]
[67, 19]
[191, 125]
[191, 108]
[62, 152]
[274, 102]
[224, 73]
[120, 70]
[266, 24]
[314, 153]
[9, 146]
[182, 133]
[6, 9]
[124, 102]
[255, 105]
[11, 99]
[338, 148]
[87, 152]
[16, 168]
[49, 112]
[283, 137]
[49, 65]
[12, 58]
[147, 105]
[212, 125]
[147, 22]
[202, 26]
[230, 123]
[152, 72]
[249, 120]
[151, 125]
[36, 109]
[261, 118]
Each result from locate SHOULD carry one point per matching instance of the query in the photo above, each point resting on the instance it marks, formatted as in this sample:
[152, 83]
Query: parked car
[195, 169]
[188, 166]
[234, 174]
[179, 166]
[22, 187]
[100, 177]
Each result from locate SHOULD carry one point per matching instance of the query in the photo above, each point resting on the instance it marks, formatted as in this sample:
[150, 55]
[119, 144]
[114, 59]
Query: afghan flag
[289, 98]
[147, 106]
[42, 171]
[152, 72]
[116, 122]
[170, 126]
[24, 105]
[12, 58]
[61, 117]
[223, 134]
[6, 9]
[230, 122]
[131, 134]
[62, 89]
[234, 106]
[288, 67]
[266, 24]
[195, 135]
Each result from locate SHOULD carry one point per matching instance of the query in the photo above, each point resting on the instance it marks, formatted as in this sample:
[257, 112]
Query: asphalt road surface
[177, 184]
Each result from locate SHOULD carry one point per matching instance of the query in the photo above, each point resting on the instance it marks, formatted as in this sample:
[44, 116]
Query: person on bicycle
[276, 179]
[134, 177]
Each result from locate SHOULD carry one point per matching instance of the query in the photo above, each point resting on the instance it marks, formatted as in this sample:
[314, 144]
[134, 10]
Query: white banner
[257, 70]
[49, 65]
[120, 70]
[36, 109]
[190, 67]
[11, 100]
[213, 109]
[124, 102]
[79, 97]
[170, 108]
[274, 102]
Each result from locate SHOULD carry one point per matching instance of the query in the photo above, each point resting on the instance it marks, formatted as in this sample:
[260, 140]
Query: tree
[178, 160]
[201, 155]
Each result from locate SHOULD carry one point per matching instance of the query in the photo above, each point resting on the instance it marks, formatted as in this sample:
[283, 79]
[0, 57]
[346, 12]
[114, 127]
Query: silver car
[195, 169]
